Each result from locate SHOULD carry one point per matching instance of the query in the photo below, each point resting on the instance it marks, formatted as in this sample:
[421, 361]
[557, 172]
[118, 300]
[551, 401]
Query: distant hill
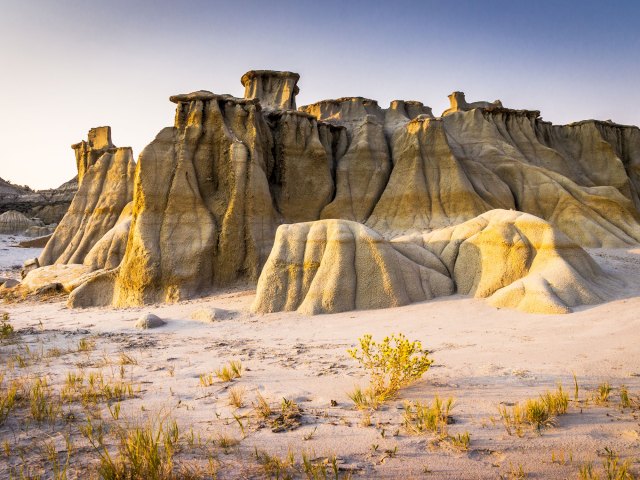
[48, 205]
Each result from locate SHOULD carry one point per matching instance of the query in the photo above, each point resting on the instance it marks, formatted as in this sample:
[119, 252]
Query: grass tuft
[236, 396]
[230, 372]
[432, 417]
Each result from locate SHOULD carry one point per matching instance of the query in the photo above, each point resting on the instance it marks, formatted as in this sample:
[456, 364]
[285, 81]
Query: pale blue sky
[68, 65]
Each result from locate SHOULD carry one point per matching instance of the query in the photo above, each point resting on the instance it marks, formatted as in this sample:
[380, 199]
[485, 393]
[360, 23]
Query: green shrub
[392, 364]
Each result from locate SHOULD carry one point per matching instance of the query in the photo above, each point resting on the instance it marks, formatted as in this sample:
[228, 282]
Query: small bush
[392, 364]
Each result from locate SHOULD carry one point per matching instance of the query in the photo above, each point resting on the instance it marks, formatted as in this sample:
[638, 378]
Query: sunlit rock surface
[375, 207]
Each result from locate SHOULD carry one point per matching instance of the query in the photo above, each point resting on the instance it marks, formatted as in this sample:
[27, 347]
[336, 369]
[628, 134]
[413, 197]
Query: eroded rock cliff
[105, 190]
[377, 207]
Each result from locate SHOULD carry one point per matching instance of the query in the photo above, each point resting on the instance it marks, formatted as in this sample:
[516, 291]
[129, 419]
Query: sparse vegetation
[127, 359]
[286, 467]
[432, 417]
[613, 468]
[8, 398]
[207, 379]
[625, 401]
[6, 329]
[261, 407]
[602, 393]
[288, 417]
[364, 399]
[516, 472]
[461, 441]
[142, 451]
[538, 413]
[556, 402]
[392, 364]
[227, 442]
[86, 345]
[236, 396]
[42, 404]
[229, 372]
[274, 466]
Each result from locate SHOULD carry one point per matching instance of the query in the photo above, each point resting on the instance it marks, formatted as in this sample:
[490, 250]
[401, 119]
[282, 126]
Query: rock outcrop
[333, 266]
[363, 169]
[515, 259]
[88, 152]
[274, 90]
[459, 104]
[49, 206]
[202, 211]
[13, 222]
[106, 189]
[373, 207]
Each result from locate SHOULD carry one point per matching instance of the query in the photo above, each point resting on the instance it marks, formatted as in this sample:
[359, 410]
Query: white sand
[483, 357]
[12, 258]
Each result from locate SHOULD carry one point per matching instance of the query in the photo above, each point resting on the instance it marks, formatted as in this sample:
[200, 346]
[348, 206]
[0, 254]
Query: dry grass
[6, 329]
[364, 399]
[261, 407]
[236, 396]
[602, 393]
[288, 417]
[419, 418]
[612, 468]
[143, 452]
[230, 372]
[537, 413]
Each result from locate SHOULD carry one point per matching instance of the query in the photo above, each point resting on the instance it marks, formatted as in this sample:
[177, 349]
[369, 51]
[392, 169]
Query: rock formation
[13, 222]
[275, 90]
[459, 104]
[106, 188]
[373, 207]
[513, 258]
[339, 265]
[87, 153]
[47, 205]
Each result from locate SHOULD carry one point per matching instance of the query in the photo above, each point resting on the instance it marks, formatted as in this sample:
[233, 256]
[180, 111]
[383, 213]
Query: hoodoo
[344, 205]
[274, 90]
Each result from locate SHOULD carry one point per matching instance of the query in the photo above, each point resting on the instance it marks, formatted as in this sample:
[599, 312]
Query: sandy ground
[483, 357]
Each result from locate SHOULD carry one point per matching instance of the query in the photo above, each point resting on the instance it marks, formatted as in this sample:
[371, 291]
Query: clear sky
[68, 65]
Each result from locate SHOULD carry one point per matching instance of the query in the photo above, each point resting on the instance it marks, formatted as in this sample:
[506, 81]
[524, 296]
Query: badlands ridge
[344, 205]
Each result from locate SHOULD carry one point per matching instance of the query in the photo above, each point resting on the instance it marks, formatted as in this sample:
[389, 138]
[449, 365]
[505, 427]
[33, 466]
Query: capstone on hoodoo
[343, 204]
